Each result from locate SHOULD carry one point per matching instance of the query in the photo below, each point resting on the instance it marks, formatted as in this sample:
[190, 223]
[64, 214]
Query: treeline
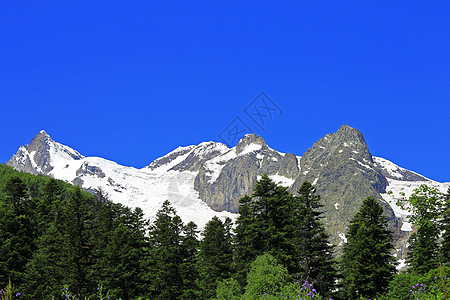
[53, 235]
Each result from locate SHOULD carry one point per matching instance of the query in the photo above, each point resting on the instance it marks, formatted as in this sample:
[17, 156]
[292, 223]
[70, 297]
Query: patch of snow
[274, 159]
[401, 264]
[340, 151]
[354, 151]
[342, 237]
[336, 205]
[215, 165]
[282, 180]
[260, 156]
[250, 148]
[306, 172]
[315, 181]
[345, 144]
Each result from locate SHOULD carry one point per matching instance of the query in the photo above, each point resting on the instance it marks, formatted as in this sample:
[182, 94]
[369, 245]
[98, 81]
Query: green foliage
[425, 205]
[228, 289]
[367, 264]
[445, 248]
[265, 274]
[295, 290]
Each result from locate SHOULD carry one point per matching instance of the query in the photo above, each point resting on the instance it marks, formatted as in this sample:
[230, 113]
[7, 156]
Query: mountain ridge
[208, 179]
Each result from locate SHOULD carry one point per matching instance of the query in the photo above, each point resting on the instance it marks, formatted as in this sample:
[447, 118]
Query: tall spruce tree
[78, 243]
[314, 255]
[215, 256]
[164, 274]
[121, 265]
[17, 231]
[264, 224]
[445, 247]
[188, 269]
[367, 263]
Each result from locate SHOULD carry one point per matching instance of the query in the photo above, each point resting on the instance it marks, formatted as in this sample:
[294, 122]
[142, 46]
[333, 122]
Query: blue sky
[132, 80]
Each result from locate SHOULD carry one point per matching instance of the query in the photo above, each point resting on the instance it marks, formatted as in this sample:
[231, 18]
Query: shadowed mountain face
[210, 178]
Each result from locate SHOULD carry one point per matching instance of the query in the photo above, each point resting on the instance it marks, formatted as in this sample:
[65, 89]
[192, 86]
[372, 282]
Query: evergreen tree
[265, 224]
[46, 270]
[188, 268]
[17, 232]
[165, 254]
[367, 263]
[77, 229]
[445, 248]
[215, 256]
[314, 253]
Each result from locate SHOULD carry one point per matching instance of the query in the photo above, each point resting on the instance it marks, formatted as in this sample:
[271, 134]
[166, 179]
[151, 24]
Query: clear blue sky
[132, 80]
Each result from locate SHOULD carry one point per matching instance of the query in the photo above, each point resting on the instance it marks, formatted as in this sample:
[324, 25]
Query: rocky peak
[250, 142]
[35, 158]
[341, 168]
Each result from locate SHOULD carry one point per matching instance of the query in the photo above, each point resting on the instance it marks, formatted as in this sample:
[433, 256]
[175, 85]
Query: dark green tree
[47, 269]
[78, 243]
[314, 255]
[367, 263]
[17, 232]
[188, 269]
[165, 254]
[265, 224]
[445, 247]
[215, 256]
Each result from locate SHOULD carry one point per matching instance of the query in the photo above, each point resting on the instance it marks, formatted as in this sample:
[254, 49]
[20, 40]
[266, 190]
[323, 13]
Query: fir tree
[77, 229]
[47, 269]
[264, 224]
[314, 253]
[215, 256]
[17, 232]
[367, 263]
[188, 269]
[165, 254]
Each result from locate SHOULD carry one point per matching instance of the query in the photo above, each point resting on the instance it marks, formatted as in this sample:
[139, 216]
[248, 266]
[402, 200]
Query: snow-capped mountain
[208, 179]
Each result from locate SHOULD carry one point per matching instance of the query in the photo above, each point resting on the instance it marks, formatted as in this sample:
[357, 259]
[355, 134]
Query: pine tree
[165, 254]
[314, 253]
[367, 263]
[215, 256]
[445, 247]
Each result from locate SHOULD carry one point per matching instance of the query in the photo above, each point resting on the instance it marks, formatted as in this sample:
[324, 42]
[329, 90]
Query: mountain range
[209, 179]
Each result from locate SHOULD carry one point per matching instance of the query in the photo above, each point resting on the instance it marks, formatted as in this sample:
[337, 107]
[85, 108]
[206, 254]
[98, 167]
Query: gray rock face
[251, 158]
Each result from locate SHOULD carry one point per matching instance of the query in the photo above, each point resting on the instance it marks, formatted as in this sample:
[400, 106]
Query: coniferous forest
[59, 242]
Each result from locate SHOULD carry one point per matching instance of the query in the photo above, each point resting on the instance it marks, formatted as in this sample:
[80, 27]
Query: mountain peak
[256, 141]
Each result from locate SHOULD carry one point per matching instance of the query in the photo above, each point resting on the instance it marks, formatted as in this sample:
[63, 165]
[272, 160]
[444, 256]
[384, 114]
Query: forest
[59, 242]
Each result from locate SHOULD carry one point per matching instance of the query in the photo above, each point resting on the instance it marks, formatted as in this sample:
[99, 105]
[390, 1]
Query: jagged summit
[249, 143]
[41, 155]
